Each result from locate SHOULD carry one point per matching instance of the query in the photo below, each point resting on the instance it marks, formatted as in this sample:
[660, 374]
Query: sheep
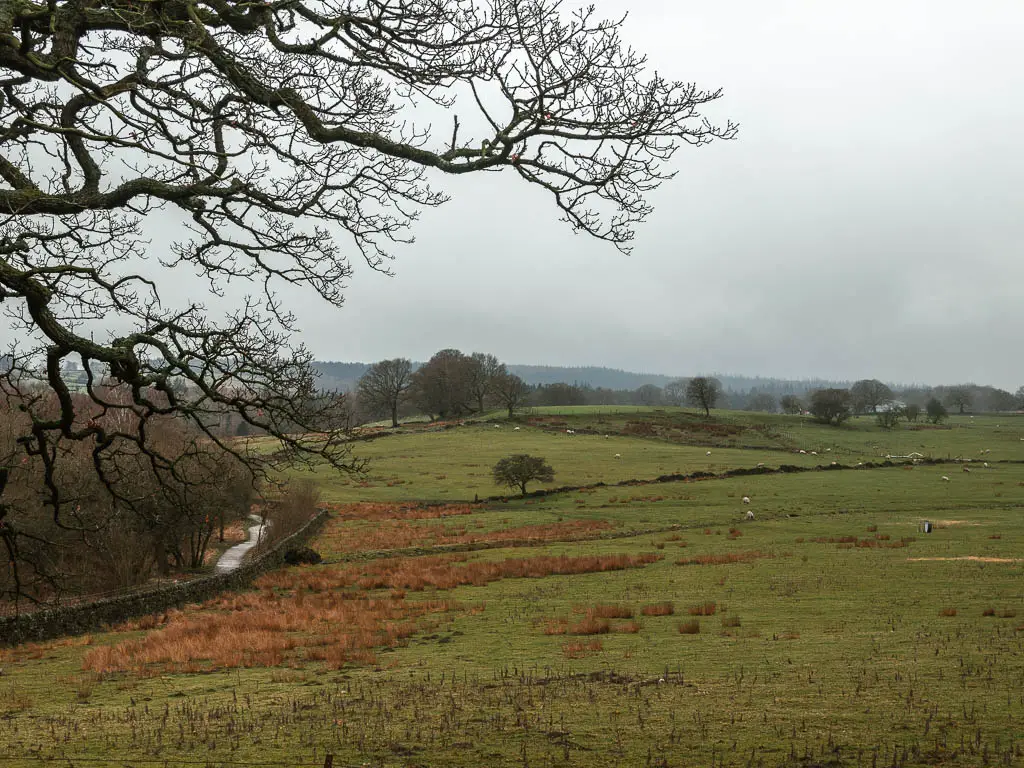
[746, 499]
[708, 453]
[497, 426]
[835, 463]
[760, 464]
[802, 451]
[814, 453]
[984, 464]
[750, 514]
[965, 469]
[515, 429]
[618, 455]
[945, 479]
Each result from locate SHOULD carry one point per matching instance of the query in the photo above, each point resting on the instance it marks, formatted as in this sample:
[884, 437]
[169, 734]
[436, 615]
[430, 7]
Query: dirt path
[232, 558]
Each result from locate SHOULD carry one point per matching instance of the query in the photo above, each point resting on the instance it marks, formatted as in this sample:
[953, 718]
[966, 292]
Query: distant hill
[344, 376]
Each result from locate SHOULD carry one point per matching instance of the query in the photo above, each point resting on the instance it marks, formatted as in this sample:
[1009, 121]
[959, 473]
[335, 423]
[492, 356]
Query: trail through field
[232, 558]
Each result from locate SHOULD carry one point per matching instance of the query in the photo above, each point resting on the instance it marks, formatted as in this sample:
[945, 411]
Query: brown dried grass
[658, 609]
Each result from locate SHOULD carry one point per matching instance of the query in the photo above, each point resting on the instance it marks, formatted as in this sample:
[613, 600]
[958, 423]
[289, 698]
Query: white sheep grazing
[708, 453]
[984, 463]
[746, 499]
[802, 451]
[814, 453]
[618, 455]
[750, 514]
[497, 426]
[965, 469]
[515, 429]
[945, 479]
[760, 464]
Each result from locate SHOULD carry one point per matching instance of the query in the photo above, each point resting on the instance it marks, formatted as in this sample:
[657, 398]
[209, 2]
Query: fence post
[329, 760]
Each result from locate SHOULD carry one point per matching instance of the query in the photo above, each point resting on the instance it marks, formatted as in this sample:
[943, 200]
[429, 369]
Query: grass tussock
[579, 649]
[591, 625]
[703, 609]
[731, 621]
[691, 627]
[658, 609]
[947, 612]
[727, 558]
[611, 611]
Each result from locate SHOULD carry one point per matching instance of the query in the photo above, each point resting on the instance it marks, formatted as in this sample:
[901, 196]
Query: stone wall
[106, 612]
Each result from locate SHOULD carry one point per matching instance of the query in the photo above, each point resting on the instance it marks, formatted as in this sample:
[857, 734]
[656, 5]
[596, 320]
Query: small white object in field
[966, 469]
[746, 499]
[860, 463]
[835, 463]
[708, 453]
[802, 451]
[606, 437]
[618, 455]
[827, 450]
[750, 514]
[760, 463]
[497, 426]
[945, 478]
[814, 453]
[661, 680]
[988, 450]
[515, 429]
[984, 463]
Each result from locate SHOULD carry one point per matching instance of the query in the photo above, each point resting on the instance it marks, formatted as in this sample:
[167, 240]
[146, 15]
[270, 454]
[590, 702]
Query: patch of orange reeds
[580, 649]
[260, 629]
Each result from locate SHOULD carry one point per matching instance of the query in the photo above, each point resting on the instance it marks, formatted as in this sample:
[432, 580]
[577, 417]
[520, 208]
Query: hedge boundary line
[80, 618]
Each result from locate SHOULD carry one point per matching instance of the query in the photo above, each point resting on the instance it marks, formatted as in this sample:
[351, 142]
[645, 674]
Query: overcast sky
[866, 222]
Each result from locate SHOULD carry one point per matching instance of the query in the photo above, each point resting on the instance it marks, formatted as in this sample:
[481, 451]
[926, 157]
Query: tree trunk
[522, 487]
[394, 415]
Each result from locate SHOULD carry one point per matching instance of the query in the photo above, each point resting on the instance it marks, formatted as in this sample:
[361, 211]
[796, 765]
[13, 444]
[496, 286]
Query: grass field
[642, 624]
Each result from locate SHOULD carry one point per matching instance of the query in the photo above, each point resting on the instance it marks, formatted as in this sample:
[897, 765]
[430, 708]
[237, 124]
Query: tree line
[454, 385]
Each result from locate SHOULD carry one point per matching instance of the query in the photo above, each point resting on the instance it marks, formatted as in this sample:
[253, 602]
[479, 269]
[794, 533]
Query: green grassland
[842, 635]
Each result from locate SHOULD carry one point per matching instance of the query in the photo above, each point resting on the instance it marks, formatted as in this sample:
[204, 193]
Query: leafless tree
[511, 391]
[869, 394]
[441, 387]
[383, 386]
[703, 392]
[277, 136]
[484, 372]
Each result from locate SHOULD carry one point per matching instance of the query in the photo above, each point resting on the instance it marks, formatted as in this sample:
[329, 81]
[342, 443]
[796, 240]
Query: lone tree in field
[869, 394]
[703, 392]
[382, 388]
[830, 406]
[936, 410]
[912, 411]
[518, 470]
[261, 145]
